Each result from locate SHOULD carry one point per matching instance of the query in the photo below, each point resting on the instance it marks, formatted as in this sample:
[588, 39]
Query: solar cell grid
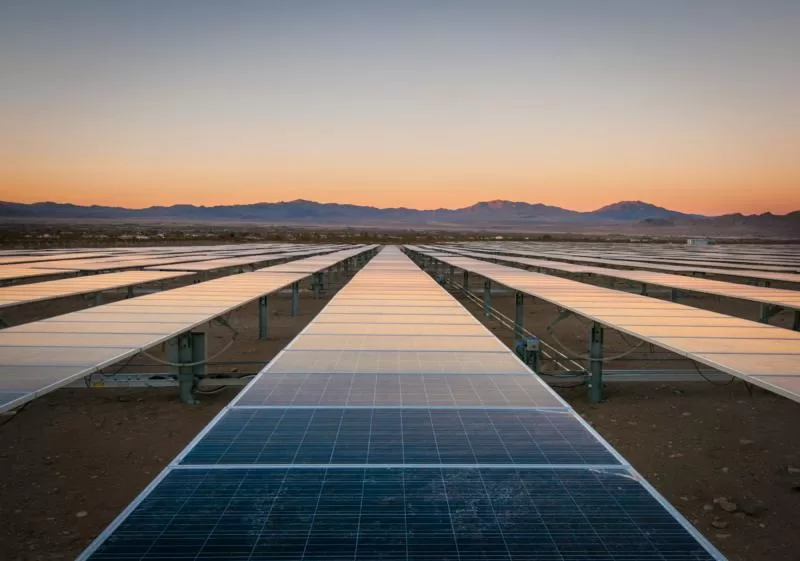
[398, 436]
[325, 317]
[374, 342]
[389, 390]
[337, 514]
[318, 328]
[394, 362]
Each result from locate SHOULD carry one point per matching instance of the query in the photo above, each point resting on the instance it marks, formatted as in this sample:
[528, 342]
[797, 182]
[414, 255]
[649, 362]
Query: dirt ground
[72, 460]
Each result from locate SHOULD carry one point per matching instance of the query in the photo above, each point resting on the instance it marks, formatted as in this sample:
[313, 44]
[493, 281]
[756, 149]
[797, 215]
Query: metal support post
[263, 317]
[763, 313]
[98, 298]
[316, 280]
[519, 316]
[188, 349]
[487, 297]
[295, 298]
[465, 282]
[643, 289]
[452, 275]
[796, 322]
[596, 363]
[673, 294]
[129, 294]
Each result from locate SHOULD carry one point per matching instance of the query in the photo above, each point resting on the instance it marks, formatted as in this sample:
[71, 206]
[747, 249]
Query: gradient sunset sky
[689, 104]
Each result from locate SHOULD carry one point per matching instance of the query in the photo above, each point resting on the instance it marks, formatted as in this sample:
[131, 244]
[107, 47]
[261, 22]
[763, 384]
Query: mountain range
[498, 214]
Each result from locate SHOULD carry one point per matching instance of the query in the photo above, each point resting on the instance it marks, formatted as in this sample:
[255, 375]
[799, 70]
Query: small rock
[739, 515]
[793, 470]
[724, 470]
[719, 524]
[745, 441]
[752, 508]
[81, 514]
[708, 508]
[686, 414]
[676, 455]
[234, 369]
[684, 498]
[123, 398]
[722, 536]
[726, 505]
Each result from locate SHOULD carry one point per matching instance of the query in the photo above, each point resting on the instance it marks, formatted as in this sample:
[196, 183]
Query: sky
[689, 104]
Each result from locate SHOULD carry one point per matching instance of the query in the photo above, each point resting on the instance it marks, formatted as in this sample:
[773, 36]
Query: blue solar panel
[383, 389]
[398, 436]
[417, 513]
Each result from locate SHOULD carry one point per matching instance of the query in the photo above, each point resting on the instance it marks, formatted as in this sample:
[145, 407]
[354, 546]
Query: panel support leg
[643, 289]
[673, 294]
[465, 282]
[487, 297]
[519, 316]
[263, 317]
[596, 363]
[98, 298]
[295, 298]
[129, 294]
[796, 321]
[188, 349]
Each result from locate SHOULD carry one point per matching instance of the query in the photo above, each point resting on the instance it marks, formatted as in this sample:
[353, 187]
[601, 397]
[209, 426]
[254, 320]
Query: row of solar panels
[748, 273]
[783, 298]
[195, 259]
[761, 354]
[747, 256]
[41, 356]
[395, 426]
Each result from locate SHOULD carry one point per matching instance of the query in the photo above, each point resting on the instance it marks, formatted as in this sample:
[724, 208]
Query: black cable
[712, 382]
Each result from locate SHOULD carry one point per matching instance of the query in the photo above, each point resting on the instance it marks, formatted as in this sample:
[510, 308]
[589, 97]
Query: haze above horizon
[693, 106]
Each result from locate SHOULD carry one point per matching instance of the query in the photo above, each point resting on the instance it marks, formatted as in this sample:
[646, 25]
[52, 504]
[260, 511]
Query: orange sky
[691, 106]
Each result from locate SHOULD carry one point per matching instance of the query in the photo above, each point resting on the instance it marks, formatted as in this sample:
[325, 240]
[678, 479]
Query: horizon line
[637, 201]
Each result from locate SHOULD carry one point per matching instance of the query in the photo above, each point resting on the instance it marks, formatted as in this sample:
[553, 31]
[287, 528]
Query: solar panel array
[639, 260]
[789, 299]
[368, 439]
[761, 354]
[36, 292]
[41, 356]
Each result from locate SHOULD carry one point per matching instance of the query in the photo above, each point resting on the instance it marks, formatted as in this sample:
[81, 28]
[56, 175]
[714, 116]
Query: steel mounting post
[295, 298]
[188, 352]
[519, 315]
[596, 363]
[465, 282]
[487, 297]
[263, 317]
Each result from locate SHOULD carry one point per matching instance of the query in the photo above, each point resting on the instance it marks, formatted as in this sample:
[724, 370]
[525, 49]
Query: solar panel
[396, 362]
[324, 436]
[395, 390]
[380, 444]
[401, 513]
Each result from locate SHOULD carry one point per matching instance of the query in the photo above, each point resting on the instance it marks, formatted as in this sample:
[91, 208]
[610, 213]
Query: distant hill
[637, 210]
[488, 214]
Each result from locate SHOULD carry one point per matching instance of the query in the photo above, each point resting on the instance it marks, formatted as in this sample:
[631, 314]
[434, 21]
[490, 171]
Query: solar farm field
[539, 410]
